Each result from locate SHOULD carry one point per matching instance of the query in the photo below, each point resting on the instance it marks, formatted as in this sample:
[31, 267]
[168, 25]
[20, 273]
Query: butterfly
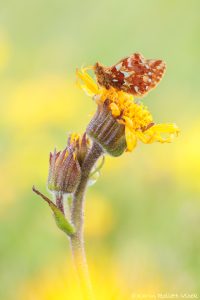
[134, 74]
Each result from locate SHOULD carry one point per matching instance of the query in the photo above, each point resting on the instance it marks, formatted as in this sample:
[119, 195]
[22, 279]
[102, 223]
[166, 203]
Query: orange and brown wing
[135, 74]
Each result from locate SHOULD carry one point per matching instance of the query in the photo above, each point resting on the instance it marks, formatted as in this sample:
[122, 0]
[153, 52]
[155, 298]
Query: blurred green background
[149, 200]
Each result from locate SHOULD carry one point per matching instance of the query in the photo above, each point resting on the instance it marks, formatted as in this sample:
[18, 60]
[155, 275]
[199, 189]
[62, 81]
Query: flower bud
[80, 145]
[107, 131]
[64, 171]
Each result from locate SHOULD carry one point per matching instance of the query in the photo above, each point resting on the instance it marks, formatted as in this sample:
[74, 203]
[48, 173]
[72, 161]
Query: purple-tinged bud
[64, 171]
[80, 145]
[107, 132]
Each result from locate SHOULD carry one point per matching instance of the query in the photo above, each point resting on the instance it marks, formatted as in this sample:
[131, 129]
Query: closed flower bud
[64, 171]
[80, 145]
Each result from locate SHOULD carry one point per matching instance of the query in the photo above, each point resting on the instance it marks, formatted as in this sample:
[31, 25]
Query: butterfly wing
[136, 75]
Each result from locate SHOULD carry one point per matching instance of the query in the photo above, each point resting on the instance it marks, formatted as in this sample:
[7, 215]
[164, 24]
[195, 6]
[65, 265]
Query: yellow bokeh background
[143, 215]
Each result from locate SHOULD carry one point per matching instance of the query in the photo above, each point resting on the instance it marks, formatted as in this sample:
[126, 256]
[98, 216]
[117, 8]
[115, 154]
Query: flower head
[64, 171]
[134, 117]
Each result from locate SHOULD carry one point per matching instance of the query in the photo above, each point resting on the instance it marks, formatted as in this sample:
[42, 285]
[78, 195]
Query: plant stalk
[59, 202]
[77, 219]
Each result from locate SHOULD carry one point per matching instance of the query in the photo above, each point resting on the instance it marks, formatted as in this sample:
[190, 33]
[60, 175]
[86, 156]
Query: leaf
[62, 223]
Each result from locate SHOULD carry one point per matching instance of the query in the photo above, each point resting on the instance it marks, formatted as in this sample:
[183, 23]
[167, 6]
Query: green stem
[98, 168]
[77, 219]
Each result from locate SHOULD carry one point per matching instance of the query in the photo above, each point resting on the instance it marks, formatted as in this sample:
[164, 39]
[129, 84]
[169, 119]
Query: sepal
[105, 130]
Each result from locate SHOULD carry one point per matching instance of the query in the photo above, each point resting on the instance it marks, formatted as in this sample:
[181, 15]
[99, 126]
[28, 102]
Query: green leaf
[62, 223]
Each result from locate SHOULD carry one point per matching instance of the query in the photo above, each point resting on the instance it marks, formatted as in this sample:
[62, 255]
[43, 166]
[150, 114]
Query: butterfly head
[102, 76]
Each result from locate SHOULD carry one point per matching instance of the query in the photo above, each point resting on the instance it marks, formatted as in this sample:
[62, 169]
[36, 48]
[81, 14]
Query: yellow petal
[144, 138]
[131, 139]
[115, 110]
[74, 137]
[154, 133]
[165, 128]
[89, 85]
[128, 122]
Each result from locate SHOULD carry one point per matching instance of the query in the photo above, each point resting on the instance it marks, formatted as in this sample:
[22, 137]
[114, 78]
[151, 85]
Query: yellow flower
[133, 115]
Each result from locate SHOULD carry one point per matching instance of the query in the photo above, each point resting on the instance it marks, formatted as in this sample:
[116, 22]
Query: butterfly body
[134, 74]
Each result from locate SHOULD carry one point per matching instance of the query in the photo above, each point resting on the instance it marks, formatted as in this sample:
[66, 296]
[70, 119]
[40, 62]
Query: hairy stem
[59, 201]
[77, 219]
